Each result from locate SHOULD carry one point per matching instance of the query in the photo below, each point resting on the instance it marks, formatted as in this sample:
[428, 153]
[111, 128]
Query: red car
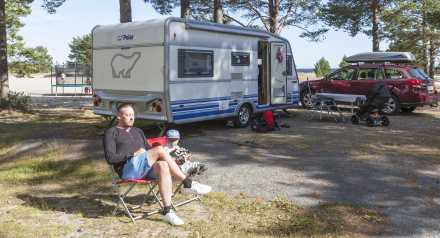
[412, 87]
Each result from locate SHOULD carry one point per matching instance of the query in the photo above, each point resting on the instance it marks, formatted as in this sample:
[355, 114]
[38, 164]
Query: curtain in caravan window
[195, 63]
[289, 66]
[240, 59]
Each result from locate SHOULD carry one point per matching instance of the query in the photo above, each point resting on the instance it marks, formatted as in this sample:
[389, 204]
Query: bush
[16, 101]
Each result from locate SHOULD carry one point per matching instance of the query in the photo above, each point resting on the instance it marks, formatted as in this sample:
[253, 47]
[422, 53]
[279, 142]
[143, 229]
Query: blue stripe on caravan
[195, 111]
[250, 95]
[196, 107]
[200, 100]
[202, 114]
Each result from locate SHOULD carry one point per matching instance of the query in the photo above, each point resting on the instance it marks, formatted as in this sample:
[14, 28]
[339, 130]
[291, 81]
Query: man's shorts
[138, 167]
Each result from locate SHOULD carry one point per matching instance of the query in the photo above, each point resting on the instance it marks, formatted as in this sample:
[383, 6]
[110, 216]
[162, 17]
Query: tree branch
[252, 8]
[235, 20]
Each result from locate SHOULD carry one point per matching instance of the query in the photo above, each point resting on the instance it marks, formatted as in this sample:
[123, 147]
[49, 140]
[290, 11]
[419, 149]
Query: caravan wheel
[243, 116]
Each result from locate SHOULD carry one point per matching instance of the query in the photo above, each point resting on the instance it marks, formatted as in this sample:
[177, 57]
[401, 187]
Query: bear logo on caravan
[122, 65]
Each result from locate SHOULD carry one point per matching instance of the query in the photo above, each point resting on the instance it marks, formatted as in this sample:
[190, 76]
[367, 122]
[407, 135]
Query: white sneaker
[173, 219]
[197, 188]
[191, 168]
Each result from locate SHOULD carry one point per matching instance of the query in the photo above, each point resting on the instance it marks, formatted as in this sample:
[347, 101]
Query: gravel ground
[316, 162]
[395, 169]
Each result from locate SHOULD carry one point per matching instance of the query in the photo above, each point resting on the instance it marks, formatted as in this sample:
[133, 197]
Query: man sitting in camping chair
[126, 150]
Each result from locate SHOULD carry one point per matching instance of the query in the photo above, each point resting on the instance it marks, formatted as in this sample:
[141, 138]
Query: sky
[78, 17]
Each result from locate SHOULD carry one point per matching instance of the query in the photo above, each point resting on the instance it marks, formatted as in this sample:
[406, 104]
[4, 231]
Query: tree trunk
[4, 83]
[433, 50]
[274, 8]
[375, 22]
[218, 11]
[125, 11]
[425, 43]
[184, 8]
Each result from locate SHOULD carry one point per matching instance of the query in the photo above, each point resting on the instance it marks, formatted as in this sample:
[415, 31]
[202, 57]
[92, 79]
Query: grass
[244, 216]
[47, 194]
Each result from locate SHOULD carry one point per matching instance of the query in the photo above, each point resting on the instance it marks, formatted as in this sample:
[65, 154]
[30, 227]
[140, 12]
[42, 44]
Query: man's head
[125, 115]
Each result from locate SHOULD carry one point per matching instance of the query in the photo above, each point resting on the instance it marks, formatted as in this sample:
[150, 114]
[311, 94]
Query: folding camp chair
[152, 189]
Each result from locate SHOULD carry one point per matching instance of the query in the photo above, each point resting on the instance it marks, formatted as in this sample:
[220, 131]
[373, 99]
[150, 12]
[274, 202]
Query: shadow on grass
[92, 206]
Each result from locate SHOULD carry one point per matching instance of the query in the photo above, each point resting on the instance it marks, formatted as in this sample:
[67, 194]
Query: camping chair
[152, 195]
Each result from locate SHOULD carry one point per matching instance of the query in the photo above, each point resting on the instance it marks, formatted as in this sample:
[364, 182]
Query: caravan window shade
[240, 59]
[289, 65]
[195, 63]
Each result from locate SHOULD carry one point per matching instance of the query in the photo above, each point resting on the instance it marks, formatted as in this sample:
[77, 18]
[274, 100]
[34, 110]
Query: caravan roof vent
[381, 57]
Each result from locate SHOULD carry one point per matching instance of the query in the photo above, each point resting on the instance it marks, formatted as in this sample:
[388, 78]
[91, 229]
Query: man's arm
[110, 149]
[144, 138]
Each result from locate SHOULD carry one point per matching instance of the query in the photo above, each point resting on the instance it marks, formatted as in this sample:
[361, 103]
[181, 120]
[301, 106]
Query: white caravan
[177, 71]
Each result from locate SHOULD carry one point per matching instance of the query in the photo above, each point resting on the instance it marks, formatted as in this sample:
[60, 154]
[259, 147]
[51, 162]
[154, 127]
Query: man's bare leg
[158, 153]
[165, 183]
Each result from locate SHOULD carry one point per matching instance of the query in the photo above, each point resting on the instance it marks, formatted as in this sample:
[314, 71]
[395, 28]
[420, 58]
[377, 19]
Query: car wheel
[408, 109]
[392, 106]
[243, 116]
[306, 99]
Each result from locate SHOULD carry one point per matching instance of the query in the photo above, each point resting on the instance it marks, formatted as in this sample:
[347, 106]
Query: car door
[339, 81]
[365, 80]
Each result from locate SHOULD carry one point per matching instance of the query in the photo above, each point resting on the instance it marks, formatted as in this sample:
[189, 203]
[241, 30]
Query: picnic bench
[333, 103]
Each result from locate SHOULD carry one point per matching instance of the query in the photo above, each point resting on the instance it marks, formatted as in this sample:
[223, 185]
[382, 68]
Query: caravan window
[240, 59]
[289, 65]
[195, 63]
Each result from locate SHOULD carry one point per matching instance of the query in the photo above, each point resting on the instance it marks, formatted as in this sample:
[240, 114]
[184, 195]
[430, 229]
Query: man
[126, 149]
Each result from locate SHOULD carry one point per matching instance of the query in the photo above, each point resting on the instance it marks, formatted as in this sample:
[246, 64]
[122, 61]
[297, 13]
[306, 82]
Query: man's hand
[139, 151]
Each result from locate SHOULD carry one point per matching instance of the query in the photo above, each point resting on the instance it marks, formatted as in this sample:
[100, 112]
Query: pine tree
[276, 15]
[343, 62]
[322, 67]
[356, 17]
[80, 49]
[414, 26]
[10, 22]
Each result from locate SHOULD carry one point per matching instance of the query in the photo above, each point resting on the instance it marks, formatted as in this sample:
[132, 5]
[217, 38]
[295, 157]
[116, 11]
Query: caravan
[177, 71]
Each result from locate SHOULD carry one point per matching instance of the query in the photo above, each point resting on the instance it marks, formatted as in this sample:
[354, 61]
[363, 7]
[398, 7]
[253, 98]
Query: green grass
[31, 222]
[244, 216]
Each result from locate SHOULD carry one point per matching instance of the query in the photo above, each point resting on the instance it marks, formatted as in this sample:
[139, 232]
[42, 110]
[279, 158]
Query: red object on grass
[268, 118]
[156, 141]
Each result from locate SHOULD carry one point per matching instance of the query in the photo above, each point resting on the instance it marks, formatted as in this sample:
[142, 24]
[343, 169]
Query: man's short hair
[124, 105]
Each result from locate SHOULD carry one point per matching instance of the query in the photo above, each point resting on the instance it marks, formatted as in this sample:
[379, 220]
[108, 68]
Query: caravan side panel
[200, 98]
[133, 69]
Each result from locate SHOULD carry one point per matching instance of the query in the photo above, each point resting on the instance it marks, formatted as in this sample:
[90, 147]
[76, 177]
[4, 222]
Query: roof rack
[382, 57]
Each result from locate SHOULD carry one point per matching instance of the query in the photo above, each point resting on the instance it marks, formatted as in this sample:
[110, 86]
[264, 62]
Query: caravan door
[278, 74]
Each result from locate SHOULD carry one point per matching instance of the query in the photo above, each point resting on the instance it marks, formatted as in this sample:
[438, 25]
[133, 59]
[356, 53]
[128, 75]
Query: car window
[419, 73]
[367, 74]
[370, 74]
[393, 74]
[343, 74]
